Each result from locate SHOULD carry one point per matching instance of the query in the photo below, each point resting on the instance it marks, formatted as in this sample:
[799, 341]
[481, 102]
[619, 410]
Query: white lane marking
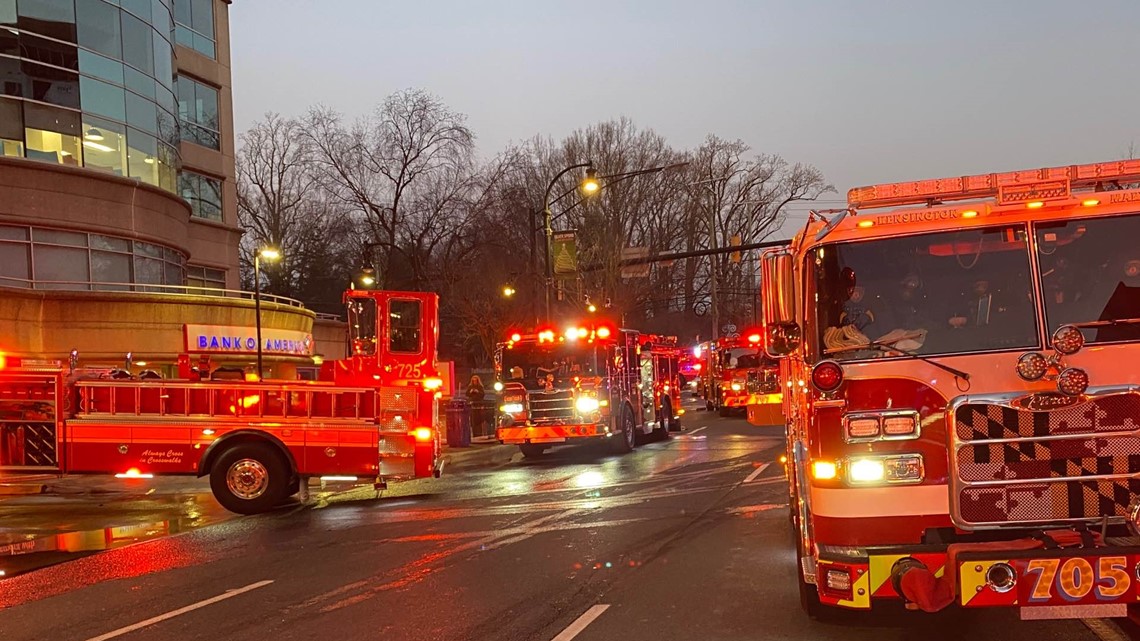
[180, 611]
[703, 427]
[581, 622]
[756, 472]
[1105, 630]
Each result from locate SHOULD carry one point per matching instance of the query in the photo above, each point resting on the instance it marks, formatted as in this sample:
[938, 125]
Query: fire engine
[589, 382]
[739, 371]
[373, 414]
[960, 391]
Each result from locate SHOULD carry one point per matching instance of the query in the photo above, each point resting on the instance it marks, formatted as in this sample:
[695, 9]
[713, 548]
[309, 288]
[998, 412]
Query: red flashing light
[516, 337]
[422, 434]
[603, 332]
[827, 376]
[697, 366]
[753, 338]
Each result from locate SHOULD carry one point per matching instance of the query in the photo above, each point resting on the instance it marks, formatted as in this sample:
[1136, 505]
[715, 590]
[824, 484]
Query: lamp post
[589, 186]
[270, 254]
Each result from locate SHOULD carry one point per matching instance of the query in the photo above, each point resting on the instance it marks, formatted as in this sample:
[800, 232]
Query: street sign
[635, 271]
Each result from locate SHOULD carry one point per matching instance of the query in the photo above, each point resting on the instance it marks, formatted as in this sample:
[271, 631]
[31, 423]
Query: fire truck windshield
[744, 357]
[531, 363]
[1090, 273]
[939, 293]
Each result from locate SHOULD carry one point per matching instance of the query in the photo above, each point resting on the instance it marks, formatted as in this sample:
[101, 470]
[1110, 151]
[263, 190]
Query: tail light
[827, 376]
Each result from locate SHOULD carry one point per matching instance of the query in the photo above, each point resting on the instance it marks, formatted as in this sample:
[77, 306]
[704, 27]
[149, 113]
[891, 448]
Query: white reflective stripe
[895, 500]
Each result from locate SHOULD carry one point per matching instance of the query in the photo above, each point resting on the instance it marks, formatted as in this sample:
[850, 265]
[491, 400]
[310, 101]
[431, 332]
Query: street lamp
[589, 186]
[508, 291]
[270, 254]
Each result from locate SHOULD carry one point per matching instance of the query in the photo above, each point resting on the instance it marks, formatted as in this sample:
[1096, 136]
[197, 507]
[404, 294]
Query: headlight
[866, 471]
[498, 386]
[512, 408]
[587, 404]
[736, 387]
[879, 470]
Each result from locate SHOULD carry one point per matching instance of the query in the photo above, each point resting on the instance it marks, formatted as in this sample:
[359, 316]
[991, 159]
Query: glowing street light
[508, 291]
[270, 254]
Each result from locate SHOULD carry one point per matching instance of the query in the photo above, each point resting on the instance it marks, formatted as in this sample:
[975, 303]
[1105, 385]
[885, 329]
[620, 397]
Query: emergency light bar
[1048, 183]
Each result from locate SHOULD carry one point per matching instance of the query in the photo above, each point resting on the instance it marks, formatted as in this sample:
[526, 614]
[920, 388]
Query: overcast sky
[867, 90]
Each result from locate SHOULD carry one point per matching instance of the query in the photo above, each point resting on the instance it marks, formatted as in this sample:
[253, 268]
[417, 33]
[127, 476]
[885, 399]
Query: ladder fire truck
[372, 415]
[590, 382]
[962, 400]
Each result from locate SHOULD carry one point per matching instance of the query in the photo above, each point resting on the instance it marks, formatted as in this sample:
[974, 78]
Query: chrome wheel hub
[247, 479]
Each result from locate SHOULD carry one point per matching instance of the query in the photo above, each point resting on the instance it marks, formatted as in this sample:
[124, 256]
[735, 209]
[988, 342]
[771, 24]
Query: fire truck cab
[961, 393]
[372, 415]
[589, 382]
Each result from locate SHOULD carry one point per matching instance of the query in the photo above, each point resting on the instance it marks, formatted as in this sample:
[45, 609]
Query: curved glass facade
[91, 83]
[42, 258]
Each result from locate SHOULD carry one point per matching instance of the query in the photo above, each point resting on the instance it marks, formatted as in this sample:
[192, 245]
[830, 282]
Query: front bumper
[521, 434]
[1048, 581]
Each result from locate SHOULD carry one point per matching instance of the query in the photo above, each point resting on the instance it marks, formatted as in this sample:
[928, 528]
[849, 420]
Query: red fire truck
[588, 382]
[372, 415]
[961, 396]
[738, 370]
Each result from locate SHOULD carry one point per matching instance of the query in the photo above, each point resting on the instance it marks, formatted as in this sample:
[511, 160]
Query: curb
[23, 489]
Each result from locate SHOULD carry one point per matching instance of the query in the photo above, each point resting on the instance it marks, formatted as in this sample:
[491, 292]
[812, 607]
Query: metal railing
[145, 288]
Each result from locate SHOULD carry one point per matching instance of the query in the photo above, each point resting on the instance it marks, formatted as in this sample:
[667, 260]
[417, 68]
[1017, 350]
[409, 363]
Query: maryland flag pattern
[1101, 442]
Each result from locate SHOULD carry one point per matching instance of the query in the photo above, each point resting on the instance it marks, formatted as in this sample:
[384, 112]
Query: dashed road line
[581, 622]
[691, 432]
[228, 594]
[756, 472]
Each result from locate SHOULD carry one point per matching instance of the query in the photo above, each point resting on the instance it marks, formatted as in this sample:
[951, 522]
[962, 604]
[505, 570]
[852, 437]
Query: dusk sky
[867, 90]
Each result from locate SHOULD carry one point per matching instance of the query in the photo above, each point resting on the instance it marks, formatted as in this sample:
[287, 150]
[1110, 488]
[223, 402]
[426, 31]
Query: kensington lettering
[923, 215]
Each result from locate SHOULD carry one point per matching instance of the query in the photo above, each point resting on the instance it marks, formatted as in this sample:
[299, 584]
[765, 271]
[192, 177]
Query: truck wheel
[532, 450]
[250, 478]
[623, 441]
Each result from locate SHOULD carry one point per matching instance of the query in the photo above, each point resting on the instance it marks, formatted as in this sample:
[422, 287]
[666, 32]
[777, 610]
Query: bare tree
[390, 168]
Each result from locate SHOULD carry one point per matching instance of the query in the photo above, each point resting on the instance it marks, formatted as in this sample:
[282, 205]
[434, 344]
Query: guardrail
[146, 288]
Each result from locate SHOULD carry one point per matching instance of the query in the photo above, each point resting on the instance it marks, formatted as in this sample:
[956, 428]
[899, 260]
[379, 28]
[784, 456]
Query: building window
[203, 193]
[205, 277]
[52, 135]
[198, 112]
[194, 25]
[41, 258]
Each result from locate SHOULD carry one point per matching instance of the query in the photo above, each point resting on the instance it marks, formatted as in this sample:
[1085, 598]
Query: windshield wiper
[888, 347]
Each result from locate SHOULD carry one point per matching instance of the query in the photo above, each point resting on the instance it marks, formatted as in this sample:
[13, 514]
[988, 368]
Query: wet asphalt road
[666, 543]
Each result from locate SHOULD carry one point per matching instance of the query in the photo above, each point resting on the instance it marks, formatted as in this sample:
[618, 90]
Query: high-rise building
[118, 206]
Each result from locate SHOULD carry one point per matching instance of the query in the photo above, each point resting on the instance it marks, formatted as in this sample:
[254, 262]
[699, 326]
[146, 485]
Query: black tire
[250, 478]
[532, 450]
[724, 411]
[709, 405]
[294, 486]
[626, 438]
[665, 421]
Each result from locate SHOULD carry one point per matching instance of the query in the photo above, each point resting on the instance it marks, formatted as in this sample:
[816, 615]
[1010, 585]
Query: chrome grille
[765, 382]
[551, 407]
[1044, 458]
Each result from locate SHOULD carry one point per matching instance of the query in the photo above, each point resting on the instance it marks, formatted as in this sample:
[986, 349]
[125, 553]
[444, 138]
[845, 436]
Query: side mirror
[778, 303]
